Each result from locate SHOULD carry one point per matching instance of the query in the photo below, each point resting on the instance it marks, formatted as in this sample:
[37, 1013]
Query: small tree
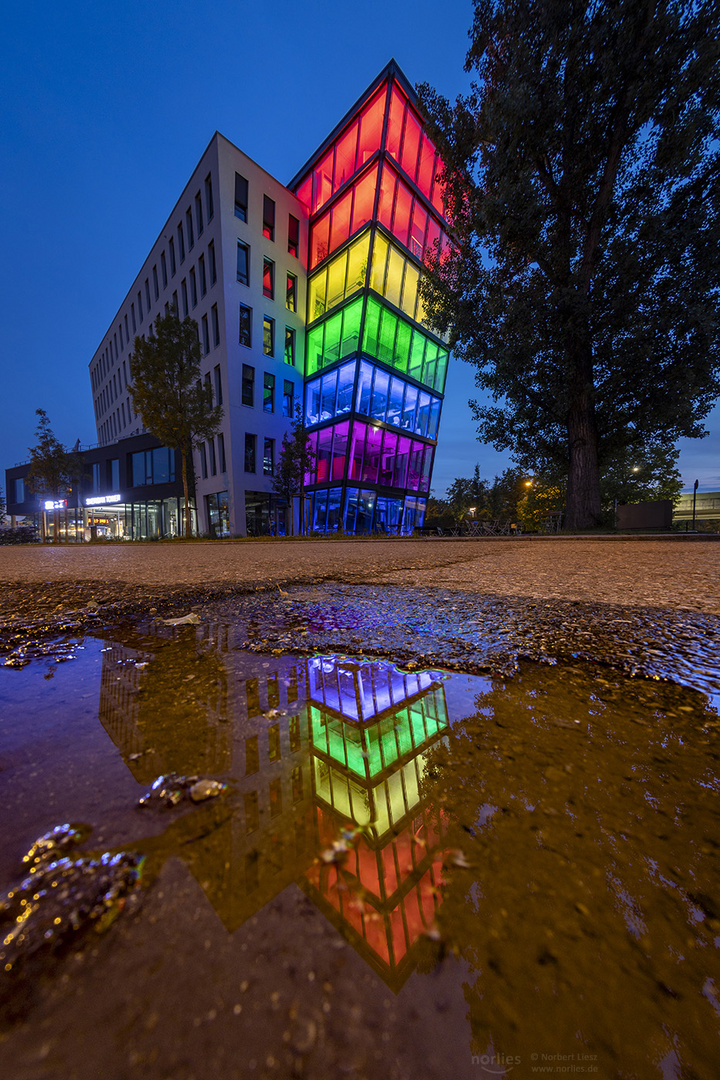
[53, 469]
[168, 394]
[296, 458]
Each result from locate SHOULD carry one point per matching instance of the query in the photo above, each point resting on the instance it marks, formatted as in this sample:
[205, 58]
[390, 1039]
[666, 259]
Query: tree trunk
[186, 493]
[583, 509]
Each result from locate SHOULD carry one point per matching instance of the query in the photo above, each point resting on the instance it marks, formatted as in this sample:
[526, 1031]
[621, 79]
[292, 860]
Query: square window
[268, 218]
[245, 326]
[293, 236]
[268, 457]
[288, 406]
[269, 279]
[250, 452]
[291, 293]
[268, 336]
[248, 385]
[241, 197]
[243, 263]
[269, 392]
[289, 345]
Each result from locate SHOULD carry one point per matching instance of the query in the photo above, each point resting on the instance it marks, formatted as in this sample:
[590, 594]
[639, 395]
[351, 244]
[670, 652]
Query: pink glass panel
[395, 122]
[357, 443]
[339, 451]
[387, 461]
[372, 455]
[417, 231]
[304, 192]
[310, 475]
[387, 193]
[371, 123]
[433, 234]
[323, 461]
[411, 144]
[401, 461]
[322, 180]
[346, 148]
[427, 166]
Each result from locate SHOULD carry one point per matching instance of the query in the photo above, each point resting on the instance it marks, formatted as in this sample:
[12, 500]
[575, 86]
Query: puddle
[406, 874]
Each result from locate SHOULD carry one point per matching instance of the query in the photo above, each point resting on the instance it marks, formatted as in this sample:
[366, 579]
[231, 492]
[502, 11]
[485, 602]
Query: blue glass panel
[333, 510]
[434, 418]
[381, 386]
[346, 378]
[407, 422]
[312, 402]
[319, 511]
[328, 395]
[423, 413]
[363, 390]
[395, 401]
[351, 508]
[366, 509]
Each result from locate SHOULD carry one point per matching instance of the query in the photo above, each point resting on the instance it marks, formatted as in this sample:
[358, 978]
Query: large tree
[583, 182]
[54, 470]
[296, 458]
[169, 395]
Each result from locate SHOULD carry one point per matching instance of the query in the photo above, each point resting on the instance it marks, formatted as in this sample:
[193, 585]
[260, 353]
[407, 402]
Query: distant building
[304, 295]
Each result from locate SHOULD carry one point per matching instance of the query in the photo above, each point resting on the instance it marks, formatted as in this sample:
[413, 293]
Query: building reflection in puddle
[314, 747]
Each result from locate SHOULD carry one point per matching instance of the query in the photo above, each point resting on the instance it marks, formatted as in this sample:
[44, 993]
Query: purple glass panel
[372, 455]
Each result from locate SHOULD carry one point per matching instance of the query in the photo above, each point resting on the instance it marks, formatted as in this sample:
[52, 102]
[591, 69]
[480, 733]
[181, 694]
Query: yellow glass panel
[357, 263]
[336, 281]
[317, 294]
[380, 250]
[393, 284]
[410, 288]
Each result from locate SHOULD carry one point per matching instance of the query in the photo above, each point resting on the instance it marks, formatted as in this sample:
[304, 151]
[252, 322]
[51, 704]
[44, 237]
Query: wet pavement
[498, 860]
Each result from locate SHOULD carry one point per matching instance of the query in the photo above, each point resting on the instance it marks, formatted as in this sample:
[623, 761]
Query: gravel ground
[651, 572]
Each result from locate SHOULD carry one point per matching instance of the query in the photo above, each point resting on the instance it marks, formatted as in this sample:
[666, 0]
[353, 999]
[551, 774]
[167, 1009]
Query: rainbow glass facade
[374, 371]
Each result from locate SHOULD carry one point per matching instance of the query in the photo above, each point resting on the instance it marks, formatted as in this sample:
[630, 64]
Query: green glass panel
[418, 728]
[386, 337]
[333, 329]
[417, 353]
[351, 328]
[402, 346]
[404, 736]
[441, 373]
[371, 328]
[313, 351]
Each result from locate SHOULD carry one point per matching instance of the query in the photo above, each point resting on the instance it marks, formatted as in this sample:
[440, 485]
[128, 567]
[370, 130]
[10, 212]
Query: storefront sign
[102, 500]
[55, 504]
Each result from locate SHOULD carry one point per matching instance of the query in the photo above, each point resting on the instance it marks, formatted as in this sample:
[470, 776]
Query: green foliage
[53, 469]
[169, 395]
[295, 459]
[584, 179]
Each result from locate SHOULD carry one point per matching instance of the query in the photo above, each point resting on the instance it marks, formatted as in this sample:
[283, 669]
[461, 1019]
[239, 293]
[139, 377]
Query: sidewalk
[654, 572]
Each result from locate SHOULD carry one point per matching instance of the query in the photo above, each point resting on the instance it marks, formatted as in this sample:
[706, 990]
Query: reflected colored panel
[342, 276]
[390, 338]
[349, 214]
[338, 336]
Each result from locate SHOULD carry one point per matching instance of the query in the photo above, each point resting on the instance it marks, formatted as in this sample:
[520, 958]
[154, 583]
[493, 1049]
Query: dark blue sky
[106, 110]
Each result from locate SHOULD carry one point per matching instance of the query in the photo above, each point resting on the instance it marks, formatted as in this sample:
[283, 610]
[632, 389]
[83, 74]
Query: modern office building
[306, 296]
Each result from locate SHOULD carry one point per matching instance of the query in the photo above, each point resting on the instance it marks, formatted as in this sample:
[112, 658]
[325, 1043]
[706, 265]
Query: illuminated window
[243, 263]
[289, 345]
[268, 336]
[291, 293]
[293, 236]
[248, 385]
[288, 405]
[268, 218]
[269, 279]
[245, 326]
[241, 197]
[269, 392]
[268, 457]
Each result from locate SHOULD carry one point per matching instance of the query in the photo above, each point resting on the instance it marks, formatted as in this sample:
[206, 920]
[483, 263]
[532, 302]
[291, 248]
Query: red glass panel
[371, 123]
[340, 228]
[322, 181]
[387, 193]
[397, 930]
[304, 192]
[395, 122]
[320, 240]
[438, 192]
[417, 232]
[345, 150]
[411, 144]
[433, 234]
[364, 199]
[403, 209]
[427, 166]
[323, 461]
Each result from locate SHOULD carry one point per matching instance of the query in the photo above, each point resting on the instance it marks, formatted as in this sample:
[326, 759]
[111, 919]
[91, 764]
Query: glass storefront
[265, 514]
[218, 513]
[150, 520]
[356, 511]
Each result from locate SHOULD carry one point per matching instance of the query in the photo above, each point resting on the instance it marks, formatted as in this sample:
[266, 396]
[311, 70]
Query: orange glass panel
[320, 240]
[371, 123]
[433, 234]
[340, 228]
[397, 932]
[345, 150]
[403, 209]
[411, 144]
[376, 935]
[417, 231]
[364, 199]
[395, 123]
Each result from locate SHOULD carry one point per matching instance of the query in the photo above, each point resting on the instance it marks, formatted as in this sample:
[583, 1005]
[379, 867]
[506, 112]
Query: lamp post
[694, 497]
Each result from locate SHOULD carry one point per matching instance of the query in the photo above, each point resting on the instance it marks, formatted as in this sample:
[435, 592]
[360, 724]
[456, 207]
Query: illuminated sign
[102, 500]
[55, 504]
